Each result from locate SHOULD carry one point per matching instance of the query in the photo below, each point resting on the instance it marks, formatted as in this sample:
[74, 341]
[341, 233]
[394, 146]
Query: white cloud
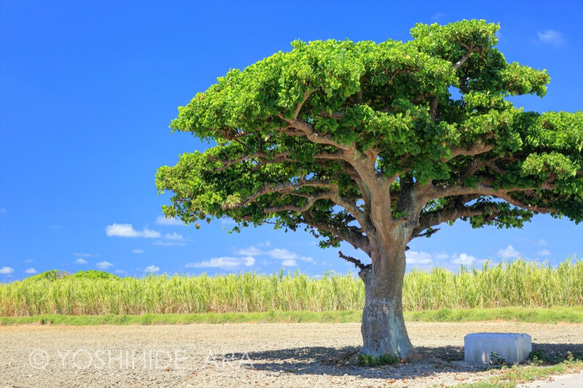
[162, 220]
[441, 259]
[289, 263]
[103, 264]
[438, 16]
[551, 37]
[226, 262]
[288, 257]
[169, 243]
[528, 241]
[227, 221]
[127, 230]
[6, 270]
[29, 261]
[30, 270]
[282, 254]
[173, 236]
[251, 251]
[80, 261]
[138, 251]
[441, 256]
[544, 252]
[414, 257]
[82, 254]
[276, 253]
[508, 253]
[464, 259]
[152, 269]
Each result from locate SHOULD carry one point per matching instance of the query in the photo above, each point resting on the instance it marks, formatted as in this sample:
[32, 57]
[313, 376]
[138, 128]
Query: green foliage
[541, 357]
[299, 137]
[372, 361]
[55, 274]
[496, 359]
[94, 274]
[51, 275]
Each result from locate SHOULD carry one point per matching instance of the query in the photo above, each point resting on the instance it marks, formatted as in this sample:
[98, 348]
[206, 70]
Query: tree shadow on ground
[333, 361]
[560, 350]
[336, 362]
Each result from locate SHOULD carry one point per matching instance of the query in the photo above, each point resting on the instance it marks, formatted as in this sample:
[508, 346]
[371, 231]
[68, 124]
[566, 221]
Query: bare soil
[246, 355]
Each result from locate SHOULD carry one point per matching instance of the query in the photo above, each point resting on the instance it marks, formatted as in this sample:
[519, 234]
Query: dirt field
[252, 355]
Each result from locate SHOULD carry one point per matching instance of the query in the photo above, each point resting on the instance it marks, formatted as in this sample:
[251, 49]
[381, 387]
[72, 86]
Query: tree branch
[352, 260]
[428, 232]
[288, 188]
[276, 158]
[351, 235]
[469, 51]
[311, 199]
[506, 196]
[301, 104]
[452, 213]
[433, 108]
[475, 149]
[273, 159]
[482, 189]
[301, 128]
[435, 100]
[462, 60]
[335, 115]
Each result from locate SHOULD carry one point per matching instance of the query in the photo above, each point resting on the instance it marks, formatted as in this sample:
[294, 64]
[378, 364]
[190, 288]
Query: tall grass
[518, 283]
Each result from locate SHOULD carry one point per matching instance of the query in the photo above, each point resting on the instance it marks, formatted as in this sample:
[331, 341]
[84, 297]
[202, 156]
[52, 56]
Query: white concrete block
[512, 347]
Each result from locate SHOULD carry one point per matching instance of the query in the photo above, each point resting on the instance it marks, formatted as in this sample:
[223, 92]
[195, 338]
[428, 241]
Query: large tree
[375, 145]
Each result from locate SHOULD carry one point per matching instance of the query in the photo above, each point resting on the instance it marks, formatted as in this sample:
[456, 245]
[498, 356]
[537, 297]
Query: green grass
[514, 284]
[518, 314]
[517, 283]
[372, 361]
[540, 315]
[170, 319]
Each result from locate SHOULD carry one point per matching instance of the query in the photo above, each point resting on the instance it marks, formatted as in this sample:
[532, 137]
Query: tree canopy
[301, 135]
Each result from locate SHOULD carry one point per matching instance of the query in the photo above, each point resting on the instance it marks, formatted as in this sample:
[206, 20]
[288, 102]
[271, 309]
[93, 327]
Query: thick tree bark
[383, 325]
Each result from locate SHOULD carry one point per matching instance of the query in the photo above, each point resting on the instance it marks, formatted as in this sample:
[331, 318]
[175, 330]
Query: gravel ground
[245, 355]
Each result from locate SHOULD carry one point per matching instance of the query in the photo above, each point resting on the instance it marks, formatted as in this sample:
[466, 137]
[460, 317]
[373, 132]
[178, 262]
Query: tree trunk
[383, 325]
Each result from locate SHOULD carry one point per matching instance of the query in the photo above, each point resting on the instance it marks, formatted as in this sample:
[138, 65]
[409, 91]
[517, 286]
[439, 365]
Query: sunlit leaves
[449, 40]
[433, 109]
[545, 164]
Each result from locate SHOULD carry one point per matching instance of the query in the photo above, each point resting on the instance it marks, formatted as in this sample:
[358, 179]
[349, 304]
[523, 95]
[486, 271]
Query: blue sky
[88, 89]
